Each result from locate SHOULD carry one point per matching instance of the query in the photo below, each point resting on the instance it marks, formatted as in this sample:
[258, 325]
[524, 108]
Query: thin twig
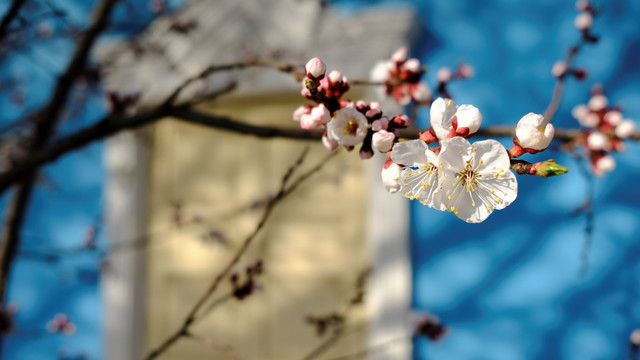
[226, 350]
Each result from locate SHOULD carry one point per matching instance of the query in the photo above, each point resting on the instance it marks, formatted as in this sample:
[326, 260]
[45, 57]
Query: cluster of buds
[242, 290]
[445, 76]
[605, 130]
[584, 20]
[61, 323]
[344, 122]
[401, 78]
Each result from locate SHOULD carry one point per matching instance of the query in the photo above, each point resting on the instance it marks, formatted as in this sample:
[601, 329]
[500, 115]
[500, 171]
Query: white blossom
[348, 126]
[532, 134]
[420, 177]
[476, 178]
[391, 176]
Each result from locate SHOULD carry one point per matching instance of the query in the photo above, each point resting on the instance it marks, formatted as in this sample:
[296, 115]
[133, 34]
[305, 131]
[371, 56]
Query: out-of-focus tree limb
[45, 124]
[13, 11]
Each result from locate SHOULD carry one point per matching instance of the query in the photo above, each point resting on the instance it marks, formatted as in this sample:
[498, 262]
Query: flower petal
[490, 156]
[410, 152]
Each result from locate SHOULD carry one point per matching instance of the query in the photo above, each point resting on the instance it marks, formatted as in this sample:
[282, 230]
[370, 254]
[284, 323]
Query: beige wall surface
[313, 247]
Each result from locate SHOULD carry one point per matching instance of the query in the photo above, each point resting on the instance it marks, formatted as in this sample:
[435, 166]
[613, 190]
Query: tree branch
[9, 16]
[45, 126]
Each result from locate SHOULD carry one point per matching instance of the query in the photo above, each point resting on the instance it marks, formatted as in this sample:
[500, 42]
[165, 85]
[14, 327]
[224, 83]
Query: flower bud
[579, 111]
[335, 76]
[532, 134]
[613, 117]
[401, 120]
[549, 168]
[375, 105]
[559, 68]
[390, 175]
[598, 102]
[598, 141]
[400, 55]
[625, 129]
[380, 124]
[603, 165]
[634, 338]
[318, 115]
[590, 120]
[330, 144]
[583, 21]
[383, 140]
[465, 71]
[443, 74]
[301, 110]
[469, 117]
[315, 68]
[412, 65]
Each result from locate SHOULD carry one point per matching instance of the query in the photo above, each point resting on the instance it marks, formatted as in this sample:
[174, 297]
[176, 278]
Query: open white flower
[532, 133]
[419, 178]
[348, 126]
[476, 178]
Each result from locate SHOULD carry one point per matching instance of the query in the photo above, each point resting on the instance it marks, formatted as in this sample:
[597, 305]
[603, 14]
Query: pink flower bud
[375, 105]
[559, 68]
[400, 55]
[604, 165]
[315, 68]
[301, 110]
[318, 115]
[583, 21]
[613, 117]
[443, 74]
[590, 120]
[383, 140]
[634, 338]
[412, 65]
[390, 176]
[329, 143]
[335, 76]
[598, 141]
[582, 5]
[465, 71]
[380, 124]
[625, 129]
[532, 134]
[598, 102]
[401, 120]
[579, 112]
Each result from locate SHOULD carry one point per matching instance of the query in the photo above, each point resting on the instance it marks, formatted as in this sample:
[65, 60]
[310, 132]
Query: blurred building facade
[176, 189]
